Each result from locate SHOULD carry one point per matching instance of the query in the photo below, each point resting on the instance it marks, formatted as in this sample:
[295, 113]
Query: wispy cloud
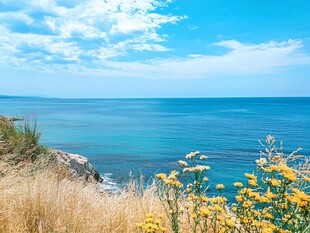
[239, 59]
[192, 27]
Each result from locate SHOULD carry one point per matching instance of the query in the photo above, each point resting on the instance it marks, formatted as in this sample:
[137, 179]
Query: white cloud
[89, 37]
[7, 17]
[240, 59]
[90, 31]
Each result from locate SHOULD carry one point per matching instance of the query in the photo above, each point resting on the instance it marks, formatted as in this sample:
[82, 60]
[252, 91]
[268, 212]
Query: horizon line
[196, 97]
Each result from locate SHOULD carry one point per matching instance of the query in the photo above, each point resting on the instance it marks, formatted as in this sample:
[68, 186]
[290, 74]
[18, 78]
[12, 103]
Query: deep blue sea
[149, 135]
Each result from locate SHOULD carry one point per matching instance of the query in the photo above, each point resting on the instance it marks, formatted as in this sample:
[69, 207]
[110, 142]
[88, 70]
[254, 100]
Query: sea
[126, 138]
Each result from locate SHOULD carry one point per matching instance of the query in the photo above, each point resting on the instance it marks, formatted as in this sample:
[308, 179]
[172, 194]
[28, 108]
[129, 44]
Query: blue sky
[154, 48]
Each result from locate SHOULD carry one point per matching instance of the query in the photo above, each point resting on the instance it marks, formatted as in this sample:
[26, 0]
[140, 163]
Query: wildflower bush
[274, 199]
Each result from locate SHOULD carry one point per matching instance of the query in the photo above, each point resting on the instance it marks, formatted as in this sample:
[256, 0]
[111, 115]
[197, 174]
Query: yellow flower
[157, 222]
[250, 176]
[161, 176]
[149, 215]
[238, 184]
[267, 230]
[245, 190]
[230, 223]
[256, 223]
[285, 168]
[290, 175]
[252, 182]
[178, 184]
[284, 206]
[301, 195]
[239, 198]
[168, 182]
[192, 197]
[256, 196]
[151, 227]
[245, 220]
[264, 200]
[221, 199]
[204, 211]
[275, 182]
[268, 215]
[218, 208]
[307, 178]
[256, 213]
[270, 194]
[220, 186]
[274, 168]
[149, 220]
[267, 170]
[173, 175]
[247, 204]
[139, 225]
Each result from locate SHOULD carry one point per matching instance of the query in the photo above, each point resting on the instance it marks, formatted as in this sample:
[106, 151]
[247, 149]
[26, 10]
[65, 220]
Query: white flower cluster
[261, 162]
[198, 168]
[203, 157]
[192, 155]
[182, 163]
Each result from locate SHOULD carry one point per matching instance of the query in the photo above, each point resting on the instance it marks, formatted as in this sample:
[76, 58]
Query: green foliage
[21, 140]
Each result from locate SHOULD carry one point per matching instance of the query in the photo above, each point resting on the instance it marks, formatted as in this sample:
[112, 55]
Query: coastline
[77, 165]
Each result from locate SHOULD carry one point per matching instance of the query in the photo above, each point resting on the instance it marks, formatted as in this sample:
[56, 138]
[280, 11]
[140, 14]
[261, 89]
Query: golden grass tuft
[44, 202]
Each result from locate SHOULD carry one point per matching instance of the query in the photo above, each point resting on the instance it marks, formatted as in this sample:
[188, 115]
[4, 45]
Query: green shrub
[20, 140]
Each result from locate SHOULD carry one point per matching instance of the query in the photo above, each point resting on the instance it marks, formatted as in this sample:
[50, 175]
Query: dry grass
[36, 195]
[44, 202]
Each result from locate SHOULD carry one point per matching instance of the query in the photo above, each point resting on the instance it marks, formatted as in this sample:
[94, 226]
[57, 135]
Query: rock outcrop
[10, 119]
[78, 165]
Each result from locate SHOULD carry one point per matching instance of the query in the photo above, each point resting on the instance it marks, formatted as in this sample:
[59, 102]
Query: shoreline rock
[10, 119]
[77, 164]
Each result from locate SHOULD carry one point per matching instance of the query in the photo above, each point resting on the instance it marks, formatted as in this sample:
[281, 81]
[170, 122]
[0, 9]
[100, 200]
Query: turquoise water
[150, 135]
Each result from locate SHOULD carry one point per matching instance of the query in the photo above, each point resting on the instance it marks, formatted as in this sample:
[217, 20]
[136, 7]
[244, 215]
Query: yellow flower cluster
[274, 199]
[280, 192]
[171, 180]
[151, 224]
[300, 198]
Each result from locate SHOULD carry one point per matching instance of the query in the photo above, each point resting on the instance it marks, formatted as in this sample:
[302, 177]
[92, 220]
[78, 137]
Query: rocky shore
[78, 165]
